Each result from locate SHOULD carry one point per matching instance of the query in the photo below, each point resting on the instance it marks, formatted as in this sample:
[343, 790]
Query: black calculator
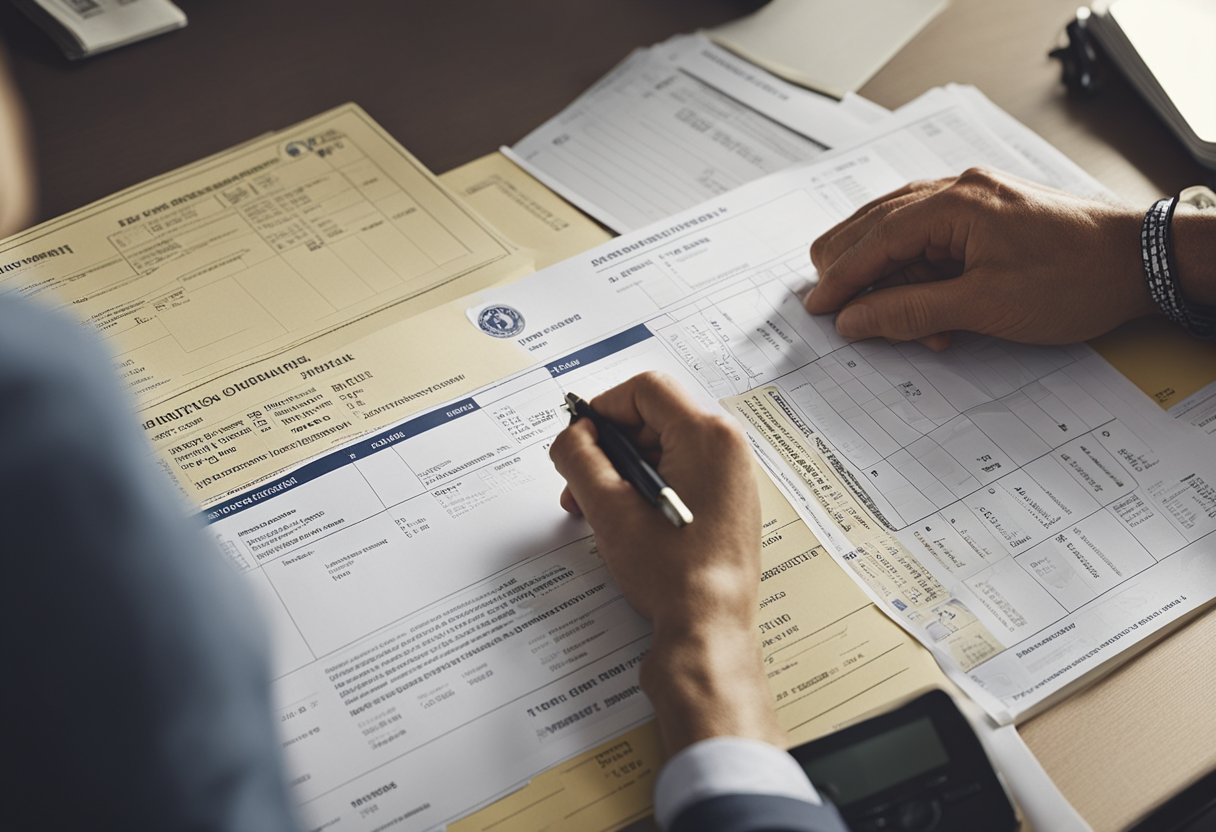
[919, 768]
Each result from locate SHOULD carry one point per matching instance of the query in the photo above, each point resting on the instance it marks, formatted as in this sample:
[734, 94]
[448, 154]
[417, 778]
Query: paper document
[831, 656]
[863, 108]
[254, 268]
[523, 210]
[1178, 371]
[83, 28]
[253, 252]
[430, 602]
[1026, 512]
[833, 46]
[352, 385]
[676, 124]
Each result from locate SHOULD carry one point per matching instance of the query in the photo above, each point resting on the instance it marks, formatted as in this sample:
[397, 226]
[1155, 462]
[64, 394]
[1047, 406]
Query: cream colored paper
[524, 210]
[261, 303]
[1160, 359]
[350, 386]
[329, 226]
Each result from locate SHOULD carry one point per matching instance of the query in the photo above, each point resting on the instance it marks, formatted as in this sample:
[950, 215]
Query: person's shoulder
[36, 340]
[51, 363]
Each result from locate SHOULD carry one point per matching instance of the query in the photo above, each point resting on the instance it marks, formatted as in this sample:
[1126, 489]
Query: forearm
[709, 681]
[726, 769]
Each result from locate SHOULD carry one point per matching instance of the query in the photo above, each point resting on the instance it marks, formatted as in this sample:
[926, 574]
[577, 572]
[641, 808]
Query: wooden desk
[453, 80]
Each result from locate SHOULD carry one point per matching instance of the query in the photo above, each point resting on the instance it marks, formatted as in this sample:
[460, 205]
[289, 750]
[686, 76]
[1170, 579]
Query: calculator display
[879, 762]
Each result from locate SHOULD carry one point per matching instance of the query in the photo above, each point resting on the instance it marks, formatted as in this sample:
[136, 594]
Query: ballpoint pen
[630, 464]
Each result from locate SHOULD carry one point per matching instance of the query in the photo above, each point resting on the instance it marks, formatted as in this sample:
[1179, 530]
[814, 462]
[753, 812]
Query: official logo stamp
[501, 321]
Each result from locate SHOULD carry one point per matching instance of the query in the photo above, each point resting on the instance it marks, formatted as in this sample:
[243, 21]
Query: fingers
[650, 404]
[838, 239]
[930, 229]
[922, 271]
[569, 504]
[920, 311]
[593, 486]
[937, 342]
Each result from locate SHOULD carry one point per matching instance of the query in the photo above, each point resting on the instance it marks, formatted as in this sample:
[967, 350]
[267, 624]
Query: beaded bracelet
[1161, 272]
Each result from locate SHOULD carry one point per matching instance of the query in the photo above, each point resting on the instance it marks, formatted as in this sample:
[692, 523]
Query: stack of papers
[678, 123]
[1165, 49]
[308, 324]
[83, 28]
[1025, 513]
[685, 121]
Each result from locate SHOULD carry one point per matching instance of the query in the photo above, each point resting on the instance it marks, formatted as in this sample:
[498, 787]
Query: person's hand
[698, 585]
[982, 252]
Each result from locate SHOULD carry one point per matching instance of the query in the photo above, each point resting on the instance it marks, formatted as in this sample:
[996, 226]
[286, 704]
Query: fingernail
[854, 322]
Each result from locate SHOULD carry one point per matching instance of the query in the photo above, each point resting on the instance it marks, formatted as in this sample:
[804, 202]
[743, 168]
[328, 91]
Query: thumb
[906, 313]
[593, 486]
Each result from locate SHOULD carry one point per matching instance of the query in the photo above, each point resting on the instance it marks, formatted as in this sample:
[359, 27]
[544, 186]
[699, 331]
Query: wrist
[1127, 282]
[1195, 254]
[707, 681]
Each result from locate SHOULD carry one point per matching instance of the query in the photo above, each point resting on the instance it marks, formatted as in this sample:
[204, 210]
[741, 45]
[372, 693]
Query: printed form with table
[355, 369]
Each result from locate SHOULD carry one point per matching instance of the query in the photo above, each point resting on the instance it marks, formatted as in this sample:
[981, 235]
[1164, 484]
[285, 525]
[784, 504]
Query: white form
[1026, 512]
[442, 629]
[83, 28]
[676, 124]
[443, 632]
[1199, 409]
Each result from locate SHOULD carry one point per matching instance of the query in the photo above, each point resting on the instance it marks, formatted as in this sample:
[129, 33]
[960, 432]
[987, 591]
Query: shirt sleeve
[723, 766]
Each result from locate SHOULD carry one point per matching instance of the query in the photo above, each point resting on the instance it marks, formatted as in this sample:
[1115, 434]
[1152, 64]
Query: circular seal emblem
[501, 321]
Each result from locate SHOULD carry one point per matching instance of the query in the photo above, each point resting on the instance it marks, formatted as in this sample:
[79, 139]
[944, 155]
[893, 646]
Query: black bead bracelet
[1161, 272]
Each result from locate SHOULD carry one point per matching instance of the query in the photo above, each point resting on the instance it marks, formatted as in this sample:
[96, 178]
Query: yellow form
[1160, 358]
[251, 423]
[256, 252]
[832, 657]
[524, 210]
[247, 424]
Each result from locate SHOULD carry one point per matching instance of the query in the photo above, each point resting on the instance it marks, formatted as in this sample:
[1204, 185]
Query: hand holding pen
[698, 583]
[630, 463]
[643, 456]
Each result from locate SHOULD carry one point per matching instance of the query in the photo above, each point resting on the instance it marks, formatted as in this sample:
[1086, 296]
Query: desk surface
[454, 80]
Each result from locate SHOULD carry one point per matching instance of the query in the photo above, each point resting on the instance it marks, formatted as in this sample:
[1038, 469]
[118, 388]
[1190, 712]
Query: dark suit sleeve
[135, 691]
[739, 784]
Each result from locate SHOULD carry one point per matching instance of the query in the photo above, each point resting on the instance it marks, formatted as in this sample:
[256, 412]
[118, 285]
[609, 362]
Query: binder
[1167, 49]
